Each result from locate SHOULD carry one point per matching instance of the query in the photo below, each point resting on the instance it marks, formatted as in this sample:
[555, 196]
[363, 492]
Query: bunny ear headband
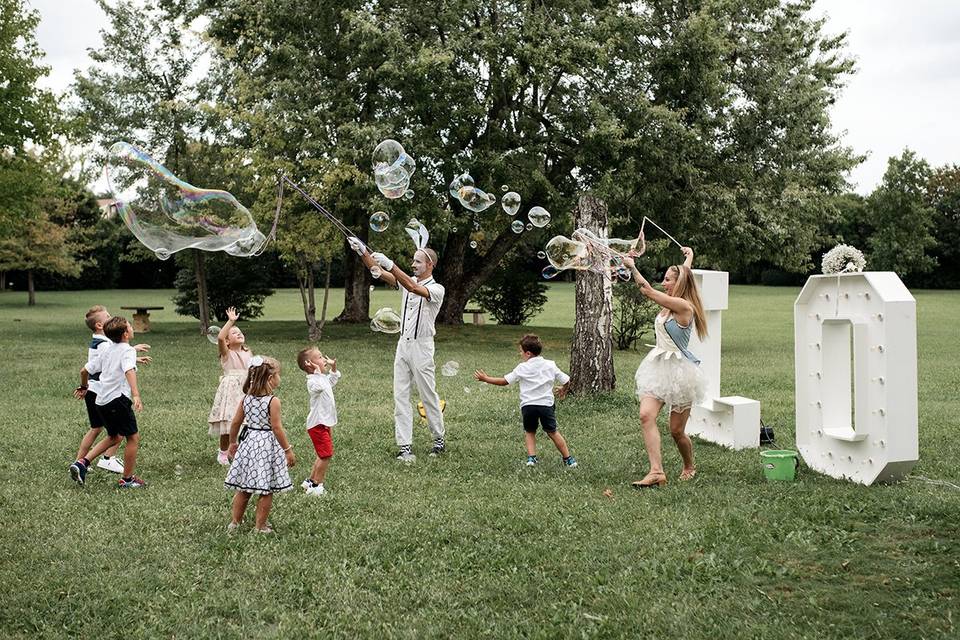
[420, 237]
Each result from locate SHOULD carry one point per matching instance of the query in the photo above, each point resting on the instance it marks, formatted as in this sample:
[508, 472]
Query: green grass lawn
[472, 544]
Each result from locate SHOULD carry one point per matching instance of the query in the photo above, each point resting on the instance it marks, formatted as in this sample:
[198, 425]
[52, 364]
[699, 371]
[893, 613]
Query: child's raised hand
[480, 375]
[331, 362]
[144, 360]
[140, 348]
[232, 314]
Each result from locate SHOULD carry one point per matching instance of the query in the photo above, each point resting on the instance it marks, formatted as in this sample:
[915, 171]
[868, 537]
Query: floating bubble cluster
[212, 332]
[450, 368]
[538, 217]
[385, 320]
[168, 215]
[392, 169]
[517, 226]
[379, 221]
[588, 252]
[474, 199]
[510, 202]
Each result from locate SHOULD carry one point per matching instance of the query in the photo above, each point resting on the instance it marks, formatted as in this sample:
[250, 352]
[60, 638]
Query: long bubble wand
[319, 207]
[646, 220]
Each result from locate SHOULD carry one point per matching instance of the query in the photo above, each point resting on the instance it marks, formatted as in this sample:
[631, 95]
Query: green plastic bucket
[779, 464]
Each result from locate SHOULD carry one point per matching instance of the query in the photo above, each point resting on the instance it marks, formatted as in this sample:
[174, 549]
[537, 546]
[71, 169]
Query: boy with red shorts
[322, 376]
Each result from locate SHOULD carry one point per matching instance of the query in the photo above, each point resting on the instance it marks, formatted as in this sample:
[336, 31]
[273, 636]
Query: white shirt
[418, 315]
[98, 340]
[536, 377]
[112, 361]
[323, 409]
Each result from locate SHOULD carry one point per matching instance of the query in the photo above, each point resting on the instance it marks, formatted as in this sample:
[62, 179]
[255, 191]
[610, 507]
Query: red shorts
[322, 440]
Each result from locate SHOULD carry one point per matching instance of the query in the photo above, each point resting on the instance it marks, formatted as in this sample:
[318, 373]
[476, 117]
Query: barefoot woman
[670, 375]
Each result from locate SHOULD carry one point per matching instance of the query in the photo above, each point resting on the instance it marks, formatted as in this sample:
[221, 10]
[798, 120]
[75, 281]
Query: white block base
[731, 421]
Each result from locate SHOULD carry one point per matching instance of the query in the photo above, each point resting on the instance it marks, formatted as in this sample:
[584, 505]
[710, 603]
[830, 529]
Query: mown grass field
[473, 544]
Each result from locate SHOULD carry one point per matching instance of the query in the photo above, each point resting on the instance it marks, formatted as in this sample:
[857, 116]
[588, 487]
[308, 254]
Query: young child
[261, 453]
[322, 376]
[536, 377]
[234, 358]
[118, 398]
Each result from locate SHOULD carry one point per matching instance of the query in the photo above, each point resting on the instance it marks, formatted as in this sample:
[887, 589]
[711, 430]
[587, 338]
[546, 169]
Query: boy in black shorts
[536, 377]
[119, 396]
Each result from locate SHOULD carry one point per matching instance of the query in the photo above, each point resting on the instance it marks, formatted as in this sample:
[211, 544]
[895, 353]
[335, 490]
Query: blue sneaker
[570, 461]
[78, 471]
[531, 461]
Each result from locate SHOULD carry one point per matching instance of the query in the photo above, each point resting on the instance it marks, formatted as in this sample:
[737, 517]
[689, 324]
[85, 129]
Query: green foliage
[27, 112]
[943, 197]
[231, 282]
[901, 218]
[515, 292]
[633, 315]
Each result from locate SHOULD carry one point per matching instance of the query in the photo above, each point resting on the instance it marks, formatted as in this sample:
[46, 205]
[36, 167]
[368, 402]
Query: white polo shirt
[98, 340]
[323, 409]
[418, 315]
[537, 377]
[112, 361]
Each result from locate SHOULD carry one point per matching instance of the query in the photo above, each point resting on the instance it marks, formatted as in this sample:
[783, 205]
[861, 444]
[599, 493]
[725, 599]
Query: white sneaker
[405, 456]
[307, 484]
[223, 458]
[316, 491]
[113, 465]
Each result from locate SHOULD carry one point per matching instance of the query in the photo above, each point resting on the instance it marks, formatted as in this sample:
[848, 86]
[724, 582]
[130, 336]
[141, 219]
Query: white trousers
[413, 365]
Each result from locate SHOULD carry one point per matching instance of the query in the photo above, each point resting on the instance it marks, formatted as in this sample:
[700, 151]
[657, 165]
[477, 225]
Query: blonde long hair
[686, 288]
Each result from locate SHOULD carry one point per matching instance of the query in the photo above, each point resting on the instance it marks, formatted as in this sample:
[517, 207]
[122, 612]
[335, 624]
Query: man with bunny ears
[413, 364]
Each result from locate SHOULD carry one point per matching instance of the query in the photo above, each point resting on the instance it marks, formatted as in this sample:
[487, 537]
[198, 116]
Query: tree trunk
[305, 280]
[203, 302]
[591, 352]
[3, 280]
[31, 293]
[461, 284]
[356, 289]
[326, 297]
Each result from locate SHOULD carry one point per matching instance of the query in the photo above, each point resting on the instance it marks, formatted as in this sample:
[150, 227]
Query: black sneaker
[406, 455]
[439, 446]
[78, 471]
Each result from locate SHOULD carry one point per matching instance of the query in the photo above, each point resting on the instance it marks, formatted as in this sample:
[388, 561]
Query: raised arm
[687, 257]
[232, 317]
[678, 306]
[366, 257]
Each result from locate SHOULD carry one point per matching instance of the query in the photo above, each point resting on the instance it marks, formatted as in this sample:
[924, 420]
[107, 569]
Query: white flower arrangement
[843, 258]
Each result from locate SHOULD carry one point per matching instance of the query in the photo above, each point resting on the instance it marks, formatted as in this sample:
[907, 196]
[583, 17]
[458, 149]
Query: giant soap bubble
[168, 215]
[392, 168]
[585, 251]
[385, 320]
[463, 189]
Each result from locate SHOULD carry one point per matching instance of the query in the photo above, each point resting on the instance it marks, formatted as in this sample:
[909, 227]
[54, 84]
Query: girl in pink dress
[234, 358]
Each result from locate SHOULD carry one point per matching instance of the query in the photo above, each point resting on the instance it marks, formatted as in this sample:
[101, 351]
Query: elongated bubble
[167, 214]
[585, 251]
[392, 169]
[510, 202]
[466, 193]
[385, 320]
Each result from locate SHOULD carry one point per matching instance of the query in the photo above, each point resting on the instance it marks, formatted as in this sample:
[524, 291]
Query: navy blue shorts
[532, 414]
[118, 417]
[93, 411]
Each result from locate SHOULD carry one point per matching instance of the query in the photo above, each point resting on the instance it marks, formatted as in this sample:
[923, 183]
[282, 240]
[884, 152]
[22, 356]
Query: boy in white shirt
[536, 376]
[323, 413]
[118, 398]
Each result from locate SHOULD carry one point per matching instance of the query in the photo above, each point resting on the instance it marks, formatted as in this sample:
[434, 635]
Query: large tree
[144, 89]
[710, 116]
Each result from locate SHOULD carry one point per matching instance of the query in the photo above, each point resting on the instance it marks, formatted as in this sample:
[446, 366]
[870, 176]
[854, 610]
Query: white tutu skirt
[671, 378]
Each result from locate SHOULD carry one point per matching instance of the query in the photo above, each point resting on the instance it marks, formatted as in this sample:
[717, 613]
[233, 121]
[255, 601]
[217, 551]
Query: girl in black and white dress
[261, 452]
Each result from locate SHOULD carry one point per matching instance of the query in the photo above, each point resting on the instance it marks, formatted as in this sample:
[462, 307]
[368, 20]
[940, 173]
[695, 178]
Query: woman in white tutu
[670, 375]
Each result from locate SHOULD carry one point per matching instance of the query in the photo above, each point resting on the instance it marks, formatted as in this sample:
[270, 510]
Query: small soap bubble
[473, 244]
[504, 188]
[538, 217]
[529, 226]
[379, 221]
[517, 226]
[212, 332]
[385, 320]
[376, 272]
[392, 168]
[450, 368]
[408, 194]
[541, 255]
[510, 203]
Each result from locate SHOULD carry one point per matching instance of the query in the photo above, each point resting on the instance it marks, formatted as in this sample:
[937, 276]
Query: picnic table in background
[141, 319]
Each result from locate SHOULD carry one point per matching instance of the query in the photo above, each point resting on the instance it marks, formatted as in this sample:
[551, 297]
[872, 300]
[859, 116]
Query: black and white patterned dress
[260, 465]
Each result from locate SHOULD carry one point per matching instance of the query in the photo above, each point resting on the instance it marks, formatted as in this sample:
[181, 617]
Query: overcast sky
[905, 93]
